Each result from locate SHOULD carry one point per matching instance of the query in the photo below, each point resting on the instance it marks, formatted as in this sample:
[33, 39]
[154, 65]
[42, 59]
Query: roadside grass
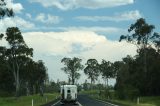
[144, 101]
[27, 100]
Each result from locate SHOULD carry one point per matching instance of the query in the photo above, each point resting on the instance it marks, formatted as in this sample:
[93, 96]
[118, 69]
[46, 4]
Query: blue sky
[68, 17]
[81, 28]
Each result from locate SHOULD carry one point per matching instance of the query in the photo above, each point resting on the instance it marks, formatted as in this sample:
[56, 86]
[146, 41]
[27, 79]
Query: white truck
[68, 93]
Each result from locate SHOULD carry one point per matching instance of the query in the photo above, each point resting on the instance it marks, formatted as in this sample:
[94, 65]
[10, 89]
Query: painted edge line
[107, 103]
[79, 104]
[55, 103]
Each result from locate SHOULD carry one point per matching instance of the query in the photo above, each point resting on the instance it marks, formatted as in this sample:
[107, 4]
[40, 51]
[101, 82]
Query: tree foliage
[138, 76]
[140, 33]
[107, 70]
[17, 53]
[92, 70]
[73, 65]
[34, 75]
[16, 62]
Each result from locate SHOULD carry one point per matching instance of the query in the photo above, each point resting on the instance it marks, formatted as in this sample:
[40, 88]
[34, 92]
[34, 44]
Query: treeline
[139, 75]
[19, 73]
[133, 81]
[135, 76]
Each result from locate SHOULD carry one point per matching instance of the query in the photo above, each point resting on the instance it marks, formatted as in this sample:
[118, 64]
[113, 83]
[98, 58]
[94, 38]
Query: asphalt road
[83, 100]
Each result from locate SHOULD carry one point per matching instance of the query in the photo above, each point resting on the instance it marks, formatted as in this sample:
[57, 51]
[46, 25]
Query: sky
[78, 28]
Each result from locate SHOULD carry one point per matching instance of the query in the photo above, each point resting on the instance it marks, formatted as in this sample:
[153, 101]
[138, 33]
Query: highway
[84, 100]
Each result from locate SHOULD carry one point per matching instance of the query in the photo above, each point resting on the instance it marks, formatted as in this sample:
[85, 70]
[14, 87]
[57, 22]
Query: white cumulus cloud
[28, 15]
[126, 16]
[61, 44]
[48, 18]
[15, 22]
[90, 4]
[17, 7]
[94, 29]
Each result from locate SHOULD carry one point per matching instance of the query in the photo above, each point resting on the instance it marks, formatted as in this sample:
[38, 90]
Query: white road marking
[55, 103]
[59, 101]
[107, 103]
[79, 104]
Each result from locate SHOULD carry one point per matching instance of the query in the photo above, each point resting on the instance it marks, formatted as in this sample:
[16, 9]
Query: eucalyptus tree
[72, 66]
[107, 70]
[156, 41]
[92, 70]
[77, 76]
[140, 34]
[17, 53]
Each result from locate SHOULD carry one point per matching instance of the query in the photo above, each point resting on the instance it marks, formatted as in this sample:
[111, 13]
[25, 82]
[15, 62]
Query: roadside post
[32, 102]
[46, 99]
[138, 100]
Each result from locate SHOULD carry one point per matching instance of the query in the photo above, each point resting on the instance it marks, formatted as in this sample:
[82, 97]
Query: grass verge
[27, 100]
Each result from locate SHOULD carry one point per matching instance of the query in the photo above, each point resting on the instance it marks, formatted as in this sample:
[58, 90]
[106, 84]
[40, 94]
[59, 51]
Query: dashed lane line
[107, 103]
[79, 104]
[55, 103]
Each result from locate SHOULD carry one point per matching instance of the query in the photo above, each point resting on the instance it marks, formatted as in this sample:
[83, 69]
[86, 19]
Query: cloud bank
[17, 7]
[126, 16]
[15, 22]
[90, 44]
[48, 18]
[90, 4]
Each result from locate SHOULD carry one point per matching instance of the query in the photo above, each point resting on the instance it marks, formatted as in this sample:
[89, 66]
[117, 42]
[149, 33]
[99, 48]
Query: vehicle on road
[68, 93]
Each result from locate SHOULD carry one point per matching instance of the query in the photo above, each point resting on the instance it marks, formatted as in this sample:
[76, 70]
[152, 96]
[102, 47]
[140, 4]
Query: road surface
[84, 100]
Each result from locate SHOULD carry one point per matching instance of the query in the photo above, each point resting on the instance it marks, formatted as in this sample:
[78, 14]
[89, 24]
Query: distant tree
[69, 80]
[52, 87]
[85, 85]
[16, 54]
[92, 70]
[72, 67]
[107, 70]
[77, 76]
